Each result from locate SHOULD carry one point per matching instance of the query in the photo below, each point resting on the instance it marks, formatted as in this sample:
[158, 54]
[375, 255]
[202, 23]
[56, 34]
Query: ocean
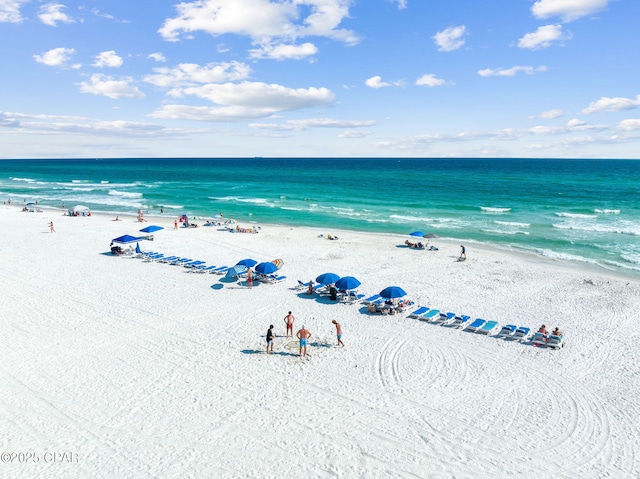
[577, 210]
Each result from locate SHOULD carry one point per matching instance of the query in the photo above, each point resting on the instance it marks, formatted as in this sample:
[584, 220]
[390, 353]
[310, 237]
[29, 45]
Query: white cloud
[567, 9]
[543, 37]
[284, 52]
[354, 134]
[100, 84]
[159, 57]
[509, 72]
[55, 57]
[10, 11]
[244, 101]
[191, 74]
[612, 104]
[430, 80]
[551, 114]
[575, 122]
[630, 124]
[298, 125]
[264, 21]
[376, 82]
[450, 38]
[108, 59]
[51, 14]
[402, 4]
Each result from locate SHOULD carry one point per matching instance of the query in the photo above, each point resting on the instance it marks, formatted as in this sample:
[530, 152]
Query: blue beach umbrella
[249, 263]
[417, 233]
[151, 229]
[347, 282]
[393, 292]
[266, 268]
[327, 278]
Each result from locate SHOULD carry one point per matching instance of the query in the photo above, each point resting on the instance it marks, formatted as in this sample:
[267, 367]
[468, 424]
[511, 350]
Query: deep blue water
[579, 210]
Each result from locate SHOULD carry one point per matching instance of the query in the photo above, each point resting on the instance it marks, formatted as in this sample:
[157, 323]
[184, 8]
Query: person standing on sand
[270, 339]
[250, 278]
[303, 335]
[289, 319]
[175, 224]
[338, 332]
[463, 252]
[51, 228]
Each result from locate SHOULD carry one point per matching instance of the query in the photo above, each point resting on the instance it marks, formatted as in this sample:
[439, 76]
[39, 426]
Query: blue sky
[336, 78]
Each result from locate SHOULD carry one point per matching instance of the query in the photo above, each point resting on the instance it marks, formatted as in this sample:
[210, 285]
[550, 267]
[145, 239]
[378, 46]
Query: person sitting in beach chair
[556, 332]
[543, 330]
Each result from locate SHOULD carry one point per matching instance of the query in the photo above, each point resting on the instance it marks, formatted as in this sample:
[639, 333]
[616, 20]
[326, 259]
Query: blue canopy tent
[151, 229]
[126, 239]
[236, 271]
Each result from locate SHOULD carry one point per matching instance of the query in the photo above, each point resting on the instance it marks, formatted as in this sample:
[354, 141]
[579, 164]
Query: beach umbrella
[126, 239]
[266, 268]
[327, 278]
[249, 263]
[230, 222]
[347, 282]
[393, 292]
[151, 229]
[236, 271]
[278, 262]
[417, 233]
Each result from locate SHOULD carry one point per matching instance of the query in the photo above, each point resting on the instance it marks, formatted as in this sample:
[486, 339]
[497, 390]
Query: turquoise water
[578, 210]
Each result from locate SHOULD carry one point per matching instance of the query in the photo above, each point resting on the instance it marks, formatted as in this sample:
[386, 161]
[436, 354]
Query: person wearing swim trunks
[303, 335]
[270, 339]
[338, 332]
[289, 319]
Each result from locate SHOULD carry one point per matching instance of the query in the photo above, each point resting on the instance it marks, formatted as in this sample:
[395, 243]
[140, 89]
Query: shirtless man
[338, 332]
[289, 319]
[303, 335]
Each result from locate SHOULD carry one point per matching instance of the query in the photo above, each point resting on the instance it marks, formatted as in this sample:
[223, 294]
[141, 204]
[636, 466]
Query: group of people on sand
[303, 335]
[555, 332]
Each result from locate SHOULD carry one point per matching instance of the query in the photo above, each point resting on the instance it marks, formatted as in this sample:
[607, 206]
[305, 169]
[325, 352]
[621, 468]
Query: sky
[320, 78]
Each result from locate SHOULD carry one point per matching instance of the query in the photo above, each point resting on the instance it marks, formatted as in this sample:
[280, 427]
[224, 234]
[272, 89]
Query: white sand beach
[118, 368]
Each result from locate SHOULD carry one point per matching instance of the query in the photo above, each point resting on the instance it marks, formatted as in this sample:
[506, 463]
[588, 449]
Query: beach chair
[507, 331]
[539, 339]
[430, 316]
[372, 299]
[445, 318]
[220, 270]
[475, 325]
[488, 328]
[555, 342]
[418, 312]
[302, 286]
[351, 297]
[460, 321]
[522, 333]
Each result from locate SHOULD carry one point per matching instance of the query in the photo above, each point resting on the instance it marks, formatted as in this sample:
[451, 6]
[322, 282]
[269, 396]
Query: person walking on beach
[51, 228]
[249, 278]
[270, 339]
[289, 319]
[338, 332]
[175, 224]
[303, 335]
[463, 253]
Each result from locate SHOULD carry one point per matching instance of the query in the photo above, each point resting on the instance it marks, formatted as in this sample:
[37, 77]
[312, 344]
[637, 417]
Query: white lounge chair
[460, 321]
[475, 325]
[431, 315]
[555, 342]
[445, 318]
[539, 339]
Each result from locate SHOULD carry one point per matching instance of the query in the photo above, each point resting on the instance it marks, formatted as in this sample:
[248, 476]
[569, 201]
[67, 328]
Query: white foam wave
[565, 256]
[503, 232]
[574, 215]
[104, 182]
[490, 209]
[607, 212]
[513, 223]
[125, 194]
[27, 180]
[410, 219]
[633, 230]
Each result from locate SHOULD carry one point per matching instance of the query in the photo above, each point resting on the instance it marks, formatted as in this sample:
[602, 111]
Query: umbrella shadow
[251, 351]
[228, 280]
[217, 286]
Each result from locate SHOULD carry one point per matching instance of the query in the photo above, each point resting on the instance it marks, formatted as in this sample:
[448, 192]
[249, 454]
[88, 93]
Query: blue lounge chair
[507, 331]
[539, 339]
[430, 315]
[555, 341]
[476, 325]
[418, 312]
[372, 299]
[219, 270]
[445, 318]
[488, 328]
[460, 321]
[522, 333]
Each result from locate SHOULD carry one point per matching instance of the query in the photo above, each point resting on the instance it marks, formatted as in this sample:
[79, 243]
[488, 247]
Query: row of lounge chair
[488, 327]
